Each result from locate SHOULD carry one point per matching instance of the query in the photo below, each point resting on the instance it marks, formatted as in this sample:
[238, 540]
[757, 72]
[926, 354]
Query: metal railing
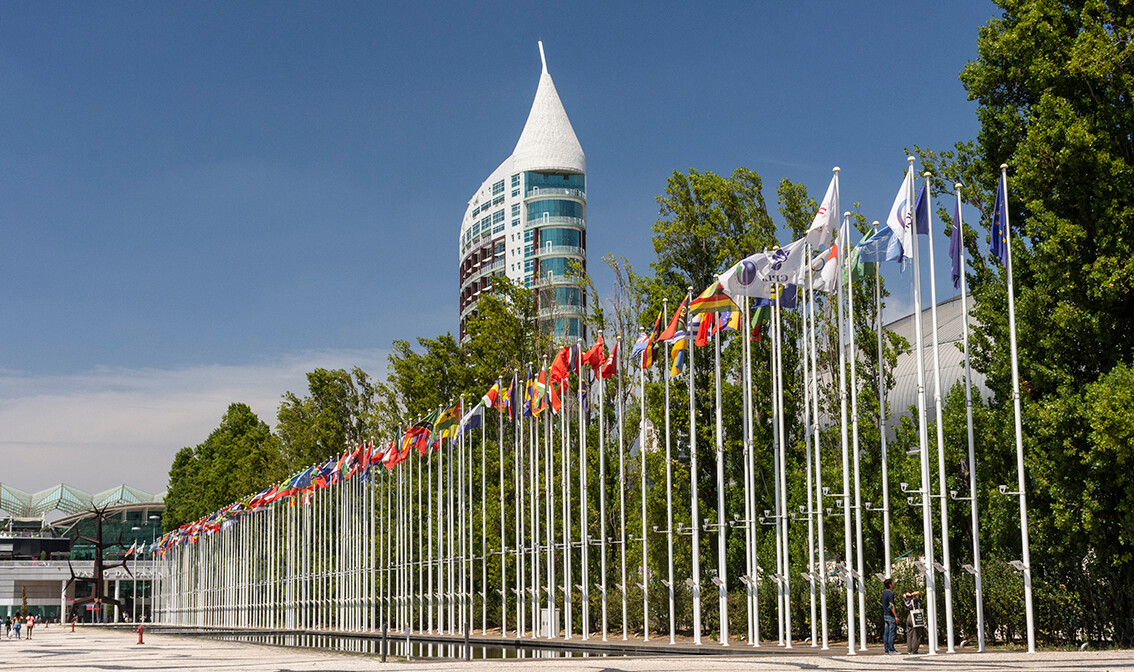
[555, 191]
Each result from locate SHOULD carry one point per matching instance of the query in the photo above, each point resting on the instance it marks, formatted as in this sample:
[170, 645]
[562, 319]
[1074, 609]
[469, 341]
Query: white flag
[900, 219]
[758, 274]
[826, 219]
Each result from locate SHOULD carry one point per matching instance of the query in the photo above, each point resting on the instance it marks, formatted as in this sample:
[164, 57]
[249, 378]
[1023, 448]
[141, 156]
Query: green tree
[336, 413]
[1053, 82]
[239, 457]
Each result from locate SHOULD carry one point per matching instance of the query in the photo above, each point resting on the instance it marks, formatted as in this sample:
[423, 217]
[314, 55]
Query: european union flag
[998, 246]
[956, 247]
[921, 210]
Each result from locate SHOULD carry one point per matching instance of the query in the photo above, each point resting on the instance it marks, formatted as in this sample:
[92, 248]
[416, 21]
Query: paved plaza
[93, 648]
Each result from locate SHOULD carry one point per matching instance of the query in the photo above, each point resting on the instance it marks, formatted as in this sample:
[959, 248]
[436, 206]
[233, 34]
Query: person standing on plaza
[889, 616]
[915, 620]
[18, 624]
[8, 627]
[31, 624]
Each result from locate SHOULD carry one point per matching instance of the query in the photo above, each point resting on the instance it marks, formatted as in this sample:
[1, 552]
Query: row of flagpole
[410, 577]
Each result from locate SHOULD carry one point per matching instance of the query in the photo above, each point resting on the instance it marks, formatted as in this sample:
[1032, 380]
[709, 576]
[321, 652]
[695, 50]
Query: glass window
[527, 236]
[555, 265]
[498, 217]
[557, 180]
[516, 180]
[498, 188]
[515, 209]
[515, 193]
[559, 236]
[554, 208]
[499, 200]
[515, 222]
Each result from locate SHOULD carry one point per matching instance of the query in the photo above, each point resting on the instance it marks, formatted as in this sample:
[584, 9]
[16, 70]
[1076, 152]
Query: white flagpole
[431, 602]
[483, 525]
[668, 485]
[854, 446]
[937, 402]
[584, 541]
[642, 472]
[565, 477]
[882, 416]
[845, 495]
[785, 516]
[807, 392]
[818, 455]
[621, 486]
[602, 489]
[975, 521]
[750, 484]
[549, 483]
[722, 524]
[518, 461]
[777, 518]
[1025, 543]
[693, 477]
[923, 439]
[503, 539]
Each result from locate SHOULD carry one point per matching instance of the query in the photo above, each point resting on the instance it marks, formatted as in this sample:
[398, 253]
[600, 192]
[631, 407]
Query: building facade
[528, 220]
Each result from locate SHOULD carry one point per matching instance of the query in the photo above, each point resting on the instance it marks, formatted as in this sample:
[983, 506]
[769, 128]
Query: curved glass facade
[554, 207]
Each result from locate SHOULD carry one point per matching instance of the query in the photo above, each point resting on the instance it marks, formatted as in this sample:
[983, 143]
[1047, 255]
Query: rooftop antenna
[542, 58]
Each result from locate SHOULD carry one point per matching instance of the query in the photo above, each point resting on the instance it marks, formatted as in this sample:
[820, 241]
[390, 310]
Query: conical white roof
[548, 141]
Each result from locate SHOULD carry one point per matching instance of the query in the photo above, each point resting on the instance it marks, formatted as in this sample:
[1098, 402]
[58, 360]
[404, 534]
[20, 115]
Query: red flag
[703, 331]
[593, 357]
[610, 366]
[678, 320]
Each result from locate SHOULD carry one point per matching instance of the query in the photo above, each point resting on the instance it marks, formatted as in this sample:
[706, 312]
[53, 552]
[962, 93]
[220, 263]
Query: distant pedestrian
[889, 617]
[31, 624]
[18, 624]
[8, 627]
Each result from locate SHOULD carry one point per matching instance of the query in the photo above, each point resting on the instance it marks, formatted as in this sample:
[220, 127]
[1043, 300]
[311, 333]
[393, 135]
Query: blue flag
[921, 210]
[998, 245]
[881, 245]
[474, 419]
[956, 247]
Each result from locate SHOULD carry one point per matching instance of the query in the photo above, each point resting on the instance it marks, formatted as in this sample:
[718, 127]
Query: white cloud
[101, 428]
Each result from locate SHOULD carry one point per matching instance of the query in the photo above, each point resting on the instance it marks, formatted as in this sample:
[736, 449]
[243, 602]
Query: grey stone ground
[94, 648]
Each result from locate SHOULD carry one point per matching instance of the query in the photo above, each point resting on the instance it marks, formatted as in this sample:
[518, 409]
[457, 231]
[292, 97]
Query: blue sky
[200, 201]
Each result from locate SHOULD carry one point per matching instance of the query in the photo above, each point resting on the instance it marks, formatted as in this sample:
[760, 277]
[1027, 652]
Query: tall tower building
[528, 220]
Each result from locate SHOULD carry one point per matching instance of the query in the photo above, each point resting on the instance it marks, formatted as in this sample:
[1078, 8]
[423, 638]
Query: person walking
[889, 616]
[17, 626]
[915, 620]
[8, 627]
[31, 624]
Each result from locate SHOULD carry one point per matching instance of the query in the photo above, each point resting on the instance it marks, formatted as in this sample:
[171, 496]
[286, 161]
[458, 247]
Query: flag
[677, 355]
[566, 361]
[511, 397]
[418, 435]
[703, 324]
[921, 210]
[882, 245]
[651, 351]
[610, 365]
[676, 328]
[131, 550]
[787, 295]
[556, 390]
[998, 244]
[490, 397]
[474, 419]
[899, 219]
[756, 275]
[956, 247]
[730, 321]
[826, 219]
[828, 277]
[762, 314]
[640, 345]
[593, 357]
[447, 421]
[712, 300]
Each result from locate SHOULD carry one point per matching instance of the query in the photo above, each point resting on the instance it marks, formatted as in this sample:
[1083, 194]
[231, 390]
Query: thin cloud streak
[101, 428]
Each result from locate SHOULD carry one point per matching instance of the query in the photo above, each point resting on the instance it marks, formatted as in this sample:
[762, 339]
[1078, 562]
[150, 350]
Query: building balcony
[482, 270]
[561, 311]
[557, 251]
[576, 222]
[537, 192]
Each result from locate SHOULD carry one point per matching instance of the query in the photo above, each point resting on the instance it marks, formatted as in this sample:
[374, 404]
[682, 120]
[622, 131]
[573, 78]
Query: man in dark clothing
[915, 620]
[889, 616]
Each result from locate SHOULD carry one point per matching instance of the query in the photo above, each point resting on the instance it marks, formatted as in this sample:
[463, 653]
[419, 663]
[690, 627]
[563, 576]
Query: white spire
[548, 141]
